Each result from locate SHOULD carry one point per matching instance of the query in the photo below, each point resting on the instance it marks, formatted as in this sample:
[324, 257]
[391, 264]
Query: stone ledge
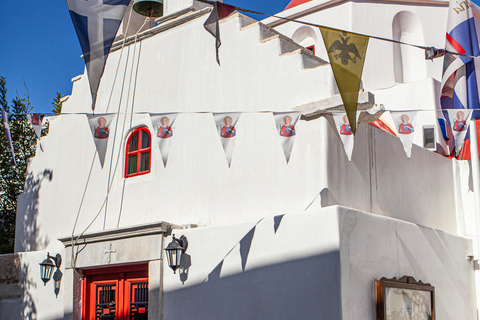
[366, 100]
[10, 287]
[121, 233]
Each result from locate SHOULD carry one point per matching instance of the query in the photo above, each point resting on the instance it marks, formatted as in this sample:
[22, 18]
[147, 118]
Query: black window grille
[139, 301]
[106, 305]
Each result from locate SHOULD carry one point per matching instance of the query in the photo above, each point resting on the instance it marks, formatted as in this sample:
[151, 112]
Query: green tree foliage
[57, 103]
[12, 178]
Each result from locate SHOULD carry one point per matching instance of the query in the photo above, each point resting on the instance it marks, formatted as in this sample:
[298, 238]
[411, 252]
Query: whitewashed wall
[38, 301]
[178, 72]
[317, 264]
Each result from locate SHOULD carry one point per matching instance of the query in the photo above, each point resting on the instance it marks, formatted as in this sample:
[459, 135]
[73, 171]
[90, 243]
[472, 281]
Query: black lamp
[174, 252]
[47, 266]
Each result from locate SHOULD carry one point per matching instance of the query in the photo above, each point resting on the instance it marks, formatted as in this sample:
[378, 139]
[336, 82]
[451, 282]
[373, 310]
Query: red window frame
[122, 278]
[311, 48]
[138, 152]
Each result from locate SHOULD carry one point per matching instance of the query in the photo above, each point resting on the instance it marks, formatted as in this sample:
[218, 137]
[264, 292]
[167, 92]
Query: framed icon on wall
[404, 299]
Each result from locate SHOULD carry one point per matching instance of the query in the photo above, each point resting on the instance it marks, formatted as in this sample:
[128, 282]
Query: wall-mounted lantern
[47, 266]
[174, 252]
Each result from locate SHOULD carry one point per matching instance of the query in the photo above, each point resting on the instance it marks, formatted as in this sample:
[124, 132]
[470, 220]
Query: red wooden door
[116, 294]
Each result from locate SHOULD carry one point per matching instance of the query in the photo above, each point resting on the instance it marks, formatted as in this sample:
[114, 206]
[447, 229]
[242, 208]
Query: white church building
[314, 237]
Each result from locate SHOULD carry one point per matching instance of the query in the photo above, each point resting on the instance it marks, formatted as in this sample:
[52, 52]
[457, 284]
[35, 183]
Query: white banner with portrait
[225, 123]
[342, 125]
[36, 120]
[459, 121]
[286, 122]
[99, 125]
[163, 128]
[405, 126]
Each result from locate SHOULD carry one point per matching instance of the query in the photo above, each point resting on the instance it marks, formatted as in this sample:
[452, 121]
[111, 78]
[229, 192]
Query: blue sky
[39, 45]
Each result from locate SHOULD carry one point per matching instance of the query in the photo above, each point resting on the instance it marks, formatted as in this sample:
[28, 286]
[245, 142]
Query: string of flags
[402, 125]
[96, 23]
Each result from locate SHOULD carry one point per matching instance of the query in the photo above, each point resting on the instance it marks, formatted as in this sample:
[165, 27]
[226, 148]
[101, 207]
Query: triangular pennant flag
[7, 133]
[344, 129]
[163, 126]
[36, 122]
[459, 119]
[220, 11]
[346, 52]
[99, 125]
[405, 126]
[226, 123]
[96, 23]
[285, 122]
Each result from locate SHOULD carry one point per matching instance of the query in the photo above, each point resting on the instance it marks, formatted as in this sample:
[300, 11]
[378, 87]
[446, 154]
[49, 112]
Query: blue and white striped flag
[7, 132]
[96, 23]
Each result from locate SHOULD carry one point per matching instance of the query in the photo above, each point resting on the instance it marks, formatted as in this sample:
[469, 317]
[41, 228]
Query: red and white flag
[212, 25]
[164, 127]
[405, 126]
[99, 125]
[36, 120]
[459, 121]
[344, 129]
[227, 131]
[286, 122]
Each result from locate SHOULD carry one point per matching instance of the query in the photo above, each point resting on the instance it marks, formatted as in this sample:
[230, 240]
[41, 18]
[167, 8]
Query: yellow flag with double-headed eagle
[346, 52]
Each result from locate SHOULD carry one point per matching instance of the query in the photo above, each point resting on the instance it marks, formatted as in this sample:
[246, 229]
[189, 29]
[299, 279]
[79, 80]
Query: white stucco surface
[267, 239]
[306, 263]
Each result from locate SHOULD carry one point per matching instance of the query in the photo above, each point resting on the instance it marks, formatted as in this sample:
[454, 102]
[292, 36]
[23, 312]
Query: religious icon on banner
[285, 123]
[99, 128]
[345, 128]
[37, 119]
[460, 124]
[101, 131]
[164, 125]
[405, 127]
[164, 131]
[228, 130]
[287, 129]
[36, 122]
[459, 121]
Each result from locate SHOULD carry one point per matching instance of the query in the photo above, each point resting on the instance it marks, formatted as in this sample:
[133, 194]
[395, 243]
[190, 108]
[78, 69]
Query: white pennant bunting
[99, 125]
[459, 121]
[285, 122]
[405, 126]
[36, 120]
[342, 125]
[163, 126]
[226, 123]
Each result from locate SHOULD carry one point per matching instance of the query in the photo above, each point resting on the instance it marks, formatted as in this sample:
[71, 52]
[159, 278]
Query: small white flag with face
[225, 123]
[459, 121]
[164, 127]
[342, 125]
[405, 126]
[35, 120]
[286, 122]
[99, 125]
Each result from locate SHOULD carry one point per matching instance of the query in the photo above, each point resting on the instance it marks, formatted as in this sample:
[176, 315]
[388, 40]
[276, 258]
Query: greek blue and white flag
[96, 23]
